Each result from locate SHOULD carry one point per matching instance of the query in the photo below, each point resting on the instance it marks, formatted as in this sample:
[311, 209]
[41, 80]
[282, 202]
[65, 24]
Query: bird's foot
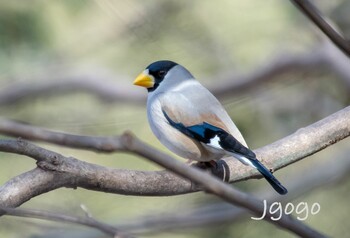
[217, 168]
[211, 164]
[208, 165]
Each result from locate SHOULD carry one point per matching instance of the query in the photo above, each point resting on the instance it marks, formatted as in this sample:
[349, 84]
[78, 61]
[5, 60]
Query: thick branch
[304, 142]
[217, 187]
[210, 183]
[281, 153]
[57, 171]
[49, 176]
[219, 213]
[60, 165]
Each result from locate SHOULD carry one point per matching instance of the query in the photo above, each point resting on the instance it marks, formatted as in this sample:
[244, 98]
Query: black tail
[269, 177]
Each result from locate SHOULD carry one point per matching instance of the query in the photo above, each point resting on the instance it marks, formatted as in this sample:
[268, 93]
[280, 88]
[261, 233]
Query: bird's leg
[217, 168]
[211, 164]
[205, 166]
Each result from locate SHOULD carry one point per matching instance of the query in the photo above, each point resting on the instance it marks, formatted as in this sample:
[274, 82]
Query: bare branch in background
[85, 221]
[55, 171]
[100, 84]
[316, 17]
[104, 85]
[322, 58]
[93, 143]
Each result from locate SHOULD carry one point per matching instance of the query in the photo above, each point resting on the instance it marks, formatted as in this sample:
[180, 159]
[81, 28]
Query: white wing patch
[214, 142]
[243, 160]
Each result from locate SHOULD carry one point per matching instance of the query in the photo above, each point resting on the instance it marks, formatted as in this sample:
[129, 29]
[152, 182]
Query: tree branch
[316, 17]
[210, 183]
[55, 171]
[219, 188]
[304, 142]
[85, 221]
[62, 84]
[93, 143]
[220, 213]
[61, 166]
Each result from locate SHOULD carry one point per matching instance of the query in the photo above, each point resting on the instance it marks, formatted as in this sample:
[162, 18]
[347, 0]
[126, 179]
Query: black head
[158, 70]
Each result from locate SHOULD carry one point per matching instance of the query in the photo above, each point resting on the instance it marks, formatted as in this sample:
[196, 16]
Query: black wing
[212, 136]
[218, 138]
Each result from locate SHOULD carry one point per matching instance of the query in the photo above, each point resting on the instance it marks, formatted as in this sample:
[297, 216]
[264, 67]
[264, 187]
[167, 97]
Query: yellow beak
[144, 80]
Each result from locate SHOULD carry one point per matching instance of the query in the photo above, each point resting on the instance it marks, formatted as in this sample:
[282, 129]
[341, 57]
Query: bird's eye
[161, 73]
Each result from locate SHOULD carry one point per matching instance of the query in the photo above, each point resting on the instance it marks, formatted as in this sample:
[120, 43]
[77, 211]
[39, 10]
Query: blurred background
[64, 47]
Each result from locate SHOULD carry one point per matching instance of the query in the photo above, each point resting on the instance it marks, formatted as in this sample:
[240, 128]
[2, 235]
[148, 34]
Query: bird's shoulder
[193, 104]
[191, 108]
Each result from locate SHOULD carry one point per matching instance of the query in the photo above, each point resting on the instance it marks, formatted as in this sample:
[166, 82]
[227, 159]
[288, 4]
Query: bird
[191, 122]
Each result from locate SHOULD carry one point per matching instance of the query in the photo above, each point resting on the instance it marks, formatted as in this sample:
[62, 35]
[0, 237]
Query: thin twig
[85, 221]
[316, 17]
[94, 143]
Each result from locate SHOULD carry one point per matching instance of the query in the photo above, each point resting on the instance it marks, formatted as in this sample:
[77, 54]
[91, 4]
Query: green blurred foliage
[40, 38]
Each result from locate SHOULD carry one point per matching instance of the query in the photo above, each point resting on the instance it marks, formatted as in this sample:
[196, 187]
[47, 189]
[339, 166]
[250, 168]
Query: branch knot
[127, 139]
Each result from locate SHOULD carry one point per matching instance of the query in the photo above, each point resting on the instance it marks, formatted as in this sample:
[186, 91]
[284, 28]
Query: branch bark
[50, 161]
[219, 188]
[305, 142]
[220, 213]
[57, 164]
[55, 171]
